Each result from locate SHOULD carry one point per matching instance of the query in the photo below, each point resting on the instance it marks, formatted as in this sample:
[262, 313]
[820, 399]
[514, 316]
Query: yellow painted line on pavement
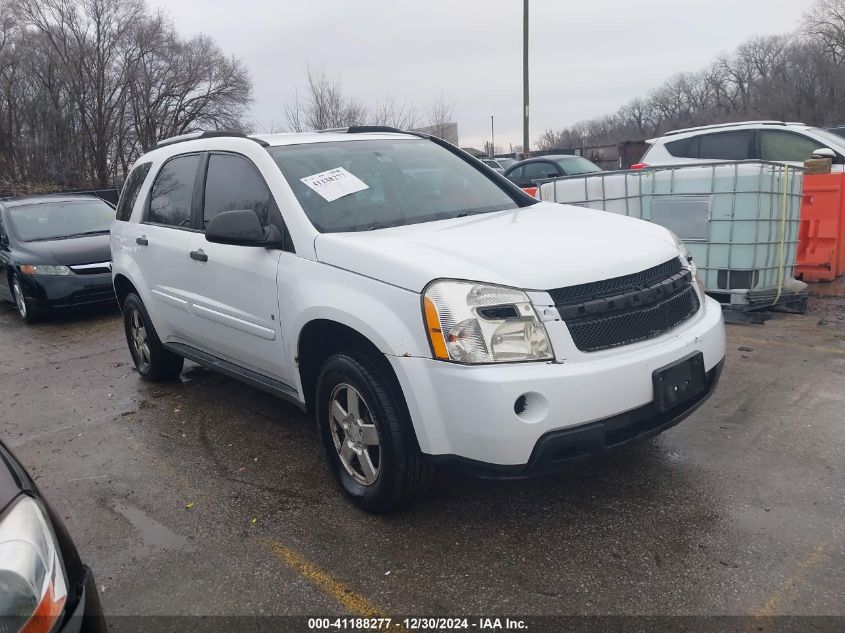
[820, 553]
[759, 341]
[325, 582]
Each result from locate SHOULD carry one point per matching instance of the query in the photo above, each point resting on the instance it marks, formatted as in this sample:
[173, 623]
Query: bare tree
[324, 105]
[399, 115]
[86, 85]
[825, 23]
[439, 115]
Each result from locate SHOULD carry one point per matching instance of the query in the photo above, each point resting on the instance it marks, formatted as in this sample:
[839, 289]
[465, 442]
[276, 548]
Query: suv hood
[540, 247]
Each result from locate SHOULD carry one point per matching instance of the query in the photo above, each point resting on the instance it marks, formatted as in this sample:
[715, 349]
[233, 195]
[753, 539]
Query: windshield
[377, 184]
[506, 162]
[577, 165]
[58, 220]
[832, 139]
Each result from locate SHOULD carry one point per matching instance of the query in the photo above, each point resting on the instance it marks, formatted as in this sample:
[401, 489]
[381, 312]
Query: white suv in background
[753, 140]
[421, 306]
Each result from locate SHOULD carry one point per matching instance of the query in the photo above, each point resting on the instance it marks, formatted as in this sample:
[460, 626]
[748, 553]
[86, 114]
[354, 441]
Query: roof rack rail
[719, 125]
[192, 136]
[363, 129]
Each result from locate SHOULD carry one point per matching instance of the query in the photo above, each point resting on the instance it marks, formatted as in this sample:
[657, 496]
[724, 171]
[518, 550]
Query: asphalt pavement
[208, 497]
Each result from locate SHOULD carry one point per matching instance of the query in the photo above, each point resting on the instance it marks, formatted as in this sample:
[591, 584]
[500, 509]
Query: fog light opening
[531, 407]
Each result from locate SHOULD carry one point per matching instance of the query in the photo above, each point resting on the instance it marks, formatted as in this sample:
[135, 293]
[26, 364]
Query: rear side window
[516, 173]
[131, 188]
[234, 183]
[785, 146]
[718, 146]
[172, 192]
[726, 146]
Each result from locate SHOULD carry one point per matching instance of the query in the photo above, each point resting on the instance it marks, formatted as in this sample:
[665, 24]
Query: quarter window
[234, 183]
[785, 146]
[130, 191]
[172, 192]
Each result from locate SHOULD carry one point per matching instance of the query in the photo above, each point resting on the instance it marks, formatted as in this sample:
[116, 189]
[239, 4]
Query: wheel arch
[122, 287]
[322, 337]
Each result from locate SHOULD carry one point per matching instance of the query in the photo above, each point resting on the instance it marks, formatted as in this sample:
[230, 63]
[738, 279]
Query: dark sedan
[44, 586]
[526, 173]
[54, 253]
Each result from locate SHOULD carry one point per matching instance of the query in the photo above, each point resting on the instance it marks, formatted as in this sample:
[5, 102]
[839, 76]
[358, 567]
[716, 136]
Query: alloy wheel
[140, 342]
[354, 433]
[20, 301]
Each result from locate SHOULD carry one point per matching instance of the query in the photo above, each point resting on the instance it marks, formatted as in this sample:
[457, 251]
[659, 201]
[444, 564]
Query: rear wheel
[151, 359]
[366, 435]
[26, 309]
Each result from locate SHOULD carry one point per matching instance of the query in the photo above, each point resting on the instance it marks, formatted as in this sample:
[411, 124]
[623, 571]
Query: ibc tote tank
[739, 219]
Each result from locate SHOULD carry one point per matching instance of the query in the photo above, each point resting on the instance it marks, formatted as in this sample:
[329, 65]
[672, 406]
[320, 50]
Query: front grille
[593, 334]
[624, 310]
[616, 285]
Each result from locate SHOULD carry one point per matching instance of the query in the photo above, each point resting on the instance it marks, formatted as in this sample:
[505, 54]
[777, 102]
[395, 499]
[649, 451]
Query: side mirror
[242, 228]
[824, 152]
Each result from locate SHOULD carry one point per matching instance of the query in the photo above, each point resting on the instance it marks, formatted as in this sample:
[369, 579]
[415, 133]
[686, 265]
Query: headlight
[478, 323]
[686, 259]
[45, 269]
[33, 588]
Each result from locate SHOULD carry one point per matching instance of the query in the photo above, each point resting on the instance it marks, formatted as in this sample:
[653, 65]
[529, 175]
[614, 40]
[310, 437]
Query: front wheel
[152, 360]
[367, 438]
[26, 309]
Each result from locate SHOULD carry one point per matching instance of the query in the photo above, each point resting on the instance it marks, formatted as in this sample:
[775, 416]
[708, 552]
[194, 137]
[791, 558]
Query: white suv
[752, 140]
[421, 306]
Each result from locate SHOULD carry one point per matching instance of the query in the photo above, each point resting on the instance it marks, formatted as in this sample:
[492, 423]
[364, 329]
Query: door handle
[142, 241]
[199, 255]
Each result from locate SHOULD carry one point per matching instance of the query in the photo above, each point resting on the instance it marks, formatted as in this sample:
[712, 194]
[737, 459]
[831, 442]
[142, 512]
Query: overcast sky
[587, 57]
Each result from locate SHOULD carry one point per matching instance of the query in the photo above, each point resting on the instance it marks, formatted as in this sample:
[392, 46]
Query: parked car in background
[528, 172]
[401, 293]
[44, 586]
[54, 253]
[751, 140]
[494, 164]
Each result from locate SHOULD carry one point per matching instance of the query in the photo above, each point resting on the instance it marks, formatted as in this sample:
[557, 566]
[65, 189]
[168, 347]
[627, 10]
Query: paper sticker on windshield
[335, 183]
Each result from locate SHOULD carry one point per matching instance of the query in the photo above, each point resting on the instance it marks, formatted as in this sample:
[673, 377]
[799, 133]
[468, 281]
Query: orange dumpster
[821, 234]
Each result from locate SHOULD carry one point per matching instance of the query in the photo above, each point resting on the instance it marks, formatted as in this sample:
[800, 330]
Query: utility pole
[492, 139]
[525, 79]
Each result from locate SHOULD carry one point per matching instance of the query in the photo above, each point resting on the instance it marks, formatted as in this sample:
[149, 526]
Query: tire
[401, 471]
[27, 310]
[152, 360]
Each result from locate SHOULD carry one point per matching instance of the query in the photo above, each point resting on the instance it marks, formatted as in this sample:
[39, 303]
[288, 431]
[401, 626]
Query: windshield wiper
[476, 212]
[82, 234]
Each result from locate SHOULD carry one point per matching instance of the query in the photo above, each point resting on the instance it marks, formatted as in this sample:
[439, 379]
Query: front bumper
[87, 617]
[62, 291]
[469, 412]
[558, 449]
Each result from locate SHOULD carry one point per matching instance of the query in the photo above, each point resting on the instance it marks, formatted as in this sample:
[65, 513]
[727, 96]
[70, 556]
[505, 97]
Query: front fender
[388, 316]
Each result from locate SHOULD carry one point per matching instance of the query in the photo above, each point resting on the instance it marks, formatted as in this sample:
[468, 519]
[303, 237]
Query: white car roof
[193, 142]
